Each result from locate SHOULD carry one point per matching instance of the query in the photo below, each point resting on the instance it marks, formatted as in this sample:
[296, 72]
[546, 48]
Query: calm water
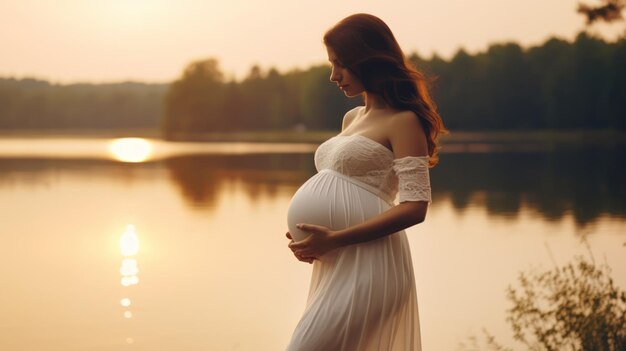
[184, 248]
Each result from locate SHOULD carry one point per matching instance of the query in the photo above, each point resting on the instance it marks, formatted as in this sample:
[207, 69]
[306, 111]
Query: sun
[130, 149]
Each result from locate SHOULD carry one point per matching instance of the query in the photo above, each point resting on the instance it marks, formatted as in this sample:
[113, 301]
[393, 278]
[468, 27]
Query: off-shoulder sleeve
[413, 178]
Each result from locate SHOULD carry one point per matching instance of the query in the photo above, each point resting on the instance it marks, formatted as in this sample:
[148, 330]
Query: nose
[334, 75]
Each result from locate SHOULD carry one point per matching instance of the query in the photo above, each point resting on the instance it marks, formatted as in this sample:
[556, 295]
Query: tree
[609, 11]
[194, 103]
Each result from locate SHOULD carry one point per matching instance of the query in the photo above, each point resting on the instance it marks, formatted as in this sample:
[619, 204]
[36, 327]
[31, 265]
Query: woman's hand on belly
[315, 245]
[299, 257]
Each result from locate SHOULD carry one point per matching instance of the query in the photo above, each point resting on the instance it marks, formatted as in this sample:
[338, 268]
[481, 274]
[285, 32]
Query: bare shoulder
[403, 120]
[349, 117]
[407, 135]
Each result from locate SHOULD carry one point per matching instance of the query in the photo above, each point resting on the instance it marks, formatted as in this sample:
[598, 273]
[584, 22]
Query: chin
[351, 94]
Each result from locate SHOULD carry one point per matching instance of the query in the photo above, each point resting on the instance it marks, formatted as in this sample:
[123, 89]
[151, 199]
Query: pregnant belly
[332, 200]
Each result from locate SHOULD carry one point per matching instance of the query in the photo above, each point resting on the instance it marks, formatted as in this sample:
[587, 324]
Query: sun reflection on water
[131, 149]
[129, 247]
[129, 243]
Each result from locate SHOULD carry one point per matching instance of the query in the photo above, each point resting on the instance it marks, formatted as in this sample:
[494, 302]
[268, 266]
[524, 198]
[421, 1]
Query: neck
[374, 102]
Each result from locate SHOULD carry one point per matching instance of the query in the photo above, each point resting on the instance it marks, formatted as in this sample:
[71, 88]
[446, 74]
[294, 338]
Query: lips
[343, 86]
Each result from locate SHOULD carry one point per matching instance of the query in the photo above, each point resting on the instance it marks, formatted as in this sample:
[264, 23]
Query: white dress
[362, 297]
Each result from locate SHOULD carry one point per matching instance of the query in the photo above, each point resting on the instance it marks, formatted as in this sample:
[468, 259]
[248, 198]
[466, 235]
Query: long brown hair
[365, 45]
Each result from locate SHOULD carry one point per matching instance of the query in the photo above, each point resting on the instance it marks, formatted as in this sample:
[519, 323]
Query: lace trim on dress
[413, 178]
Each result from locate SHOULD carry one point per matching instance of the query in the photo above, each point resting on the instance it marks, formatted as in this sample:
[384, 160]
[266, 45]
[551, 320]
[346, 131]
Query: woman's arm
[323, 239]
[407, 139]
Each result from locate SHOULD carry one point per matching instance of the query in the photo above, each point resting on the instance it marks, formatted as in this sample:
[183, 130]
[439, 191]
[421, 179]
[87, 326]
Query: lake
[141, 244]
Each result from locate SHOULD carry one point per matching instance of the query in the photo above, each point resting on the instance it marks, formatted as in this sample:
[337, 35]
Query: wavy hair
[365, 45]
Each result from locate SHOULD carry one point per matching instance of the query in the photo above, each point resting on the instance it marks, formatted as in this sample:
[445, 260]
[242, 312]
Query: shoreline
[542, 136]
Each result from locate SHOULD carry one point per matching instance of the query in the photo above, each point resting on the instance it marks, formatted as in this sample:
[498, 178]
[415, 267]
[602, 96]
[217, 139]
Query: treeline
[558, 85]
[31, 104]
[200, 101]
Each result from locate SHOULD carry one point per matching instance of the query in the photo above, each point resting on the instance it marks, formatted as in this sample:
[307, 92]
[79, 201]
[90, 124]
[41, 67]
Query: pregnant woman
[345, 220]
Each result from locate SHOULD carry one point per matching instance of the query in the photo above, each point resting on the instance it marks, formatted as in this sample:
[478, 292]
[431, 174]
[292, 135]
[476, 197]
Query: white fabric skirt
[362, 297]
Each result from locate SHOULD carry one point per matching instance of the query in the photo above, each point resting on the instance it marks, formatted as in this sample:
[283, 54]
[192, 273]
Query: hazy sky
[153, 40]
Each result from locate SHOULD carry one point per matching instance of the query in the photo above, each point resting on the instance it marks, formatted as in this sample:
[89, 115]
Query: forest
[32, 104]
[557, 85]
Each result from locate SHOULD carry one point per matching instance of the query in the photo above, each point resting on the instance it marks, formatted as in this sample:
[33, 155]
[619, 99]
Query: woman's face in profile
[340, 75]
